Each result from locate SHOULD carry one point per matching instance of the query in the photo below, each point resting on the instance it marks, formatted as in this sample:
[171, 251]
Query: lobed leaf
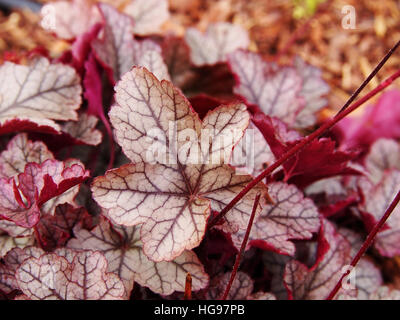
[69, 19]
[83, 131]
[38, 93]
[313, 90]
[169, 193]
[75, 276]
[219, 40]
[119, 51]
[276, 91]
[149, 15]
[20, 151]
[123, 249]
[290, 216]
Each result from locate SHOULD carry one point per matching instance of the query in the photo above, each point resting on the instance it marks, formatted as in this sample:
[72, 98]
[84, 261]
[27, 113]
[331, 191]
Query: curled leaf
[38, 183]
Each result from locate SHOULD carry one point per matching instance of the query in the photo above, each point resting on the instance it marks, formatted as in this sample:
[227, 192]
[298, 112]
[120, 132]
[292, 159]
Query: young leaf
[123, 249]
[119, 51]
[36, 185]
[20, 151]
[69, 19]
[76, 276]
[290, 216]
[38, 93]
[318, 281]
[219, 40]
[148, 15]
[171, 197]
[276, 91]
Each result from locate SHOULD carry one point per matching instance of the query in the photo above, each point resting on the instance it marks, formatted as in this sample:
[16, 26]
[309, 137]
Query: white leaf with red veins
[153, 61]
[242, 287]
[20, 151]
[69, 19]
[252, 154]
[383, 155]
[313, 90]
[10, 264]
[171, 199]
[84, 130]
[261, 296]
[385, 293]
[148, 15]
[377, 200]
[38, 183]
[123, 249]
[119, 51]
[317, 282]
[219, 40]
[367, 280]
[290, 216]
[53, 277]
[40, 92]
[276, 91]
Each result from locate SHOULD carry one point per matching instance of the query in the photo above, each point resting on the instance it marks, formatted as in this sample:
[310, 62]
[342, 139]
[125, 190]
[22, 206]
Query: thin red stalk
[371, 75]
[367, 243]
[302, 144]
[242, 247]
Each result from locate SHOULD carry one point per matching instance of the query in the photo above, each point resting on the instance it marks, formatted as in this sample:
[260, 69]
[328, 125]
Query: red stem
[188, 288]
[367, 243]
[242, 248]
[302, 144]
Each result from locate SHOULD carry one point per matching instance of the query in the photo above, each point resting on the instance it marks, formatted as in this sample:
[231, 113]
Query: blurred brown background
[277, 28]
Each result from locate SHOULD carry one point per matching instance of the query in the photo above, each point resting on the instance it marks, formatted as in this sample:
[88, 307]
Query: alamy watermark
[196, 147]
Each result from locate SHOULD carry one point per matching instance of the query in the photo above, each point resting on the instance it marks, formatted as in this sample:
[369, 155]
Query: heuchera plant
[158, 198]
